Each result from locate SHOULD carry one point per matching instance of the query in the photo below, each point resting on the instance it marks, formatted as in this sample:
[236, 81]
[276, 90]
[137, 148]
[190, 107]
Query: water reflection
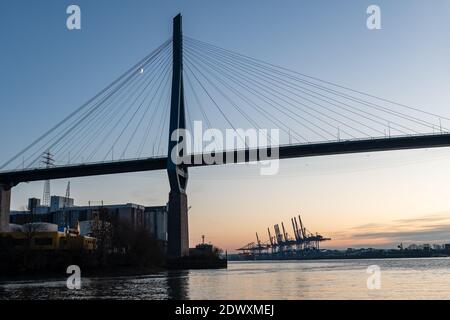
[401, 279]
[178, 285]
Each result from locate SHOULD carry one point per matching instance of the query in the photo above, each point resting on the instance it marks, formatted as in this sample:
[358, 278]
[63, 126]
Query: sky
[377, 199]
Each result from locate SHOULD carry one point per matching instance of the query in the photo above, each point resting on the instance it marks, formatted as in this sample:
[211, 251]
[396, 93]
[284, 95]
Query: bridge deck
[285, 152]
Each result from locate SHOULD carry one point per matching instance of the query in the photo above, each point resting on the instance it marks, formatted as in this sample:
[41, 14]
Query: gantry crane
[282, 243]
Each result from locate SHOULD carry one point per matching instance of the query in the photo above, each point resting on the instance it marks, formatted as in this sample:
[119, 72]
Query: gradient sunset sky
[377, 199]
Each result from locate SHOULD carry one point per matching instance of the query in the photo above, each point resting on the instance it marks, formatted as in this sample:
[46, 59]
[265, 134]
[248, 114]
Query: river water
[427, 278]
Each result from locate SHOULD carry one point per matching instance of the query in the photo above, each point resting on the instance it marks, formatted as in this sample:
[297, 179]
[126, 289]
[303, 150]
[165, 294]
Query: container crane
[280, 243]
[295, 230]
[285, 235]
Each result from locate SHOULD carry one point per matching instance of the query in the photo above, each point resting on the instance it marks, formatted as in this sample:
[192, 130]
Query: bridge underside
[13, 178]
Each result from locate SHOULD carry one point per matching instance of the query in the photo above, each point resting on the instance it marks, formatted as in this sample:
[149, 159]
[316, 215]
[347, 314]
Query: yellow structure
[50, 240]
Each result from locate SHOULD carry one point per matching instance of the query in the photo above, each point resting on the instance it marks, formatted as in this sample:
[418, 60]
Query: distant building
[437, 247]
[428, 247]
[33, 203]
[157, 221]
[58, 203]
[64, 213]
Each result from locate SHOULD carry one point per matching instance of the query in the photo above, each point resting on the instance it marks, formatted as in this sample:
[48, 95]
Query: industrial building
[63, 213]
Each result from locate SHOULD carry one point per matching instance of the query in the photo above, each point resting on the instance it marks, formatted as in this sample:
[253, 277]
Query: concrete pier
[5, 203]
[177, 225]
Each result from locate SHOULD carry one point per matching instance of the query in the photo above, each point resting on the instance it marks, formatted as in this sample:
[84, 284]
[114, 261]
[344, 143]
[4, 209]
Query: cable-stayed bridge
[126, 126]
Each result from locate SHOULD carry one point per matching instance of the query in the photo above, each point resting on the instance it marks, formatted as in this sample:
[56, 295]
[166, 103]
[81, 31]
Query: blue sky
[48, 71]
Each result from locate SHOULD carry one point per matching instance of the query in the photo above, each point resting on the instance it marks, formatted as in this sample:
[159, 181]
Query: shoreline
[365, 256]
[97, 273]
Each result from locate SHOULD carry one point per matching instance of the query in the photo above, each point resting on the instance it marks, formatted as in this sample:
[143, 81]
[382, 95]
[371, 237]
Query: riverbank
[54, 265]
[100, 272]
[342, 255]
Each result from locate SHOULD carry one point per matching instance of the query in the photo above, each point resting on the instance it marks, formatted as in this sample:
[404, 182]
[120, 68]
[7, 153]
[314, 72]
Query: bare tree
[102, 231]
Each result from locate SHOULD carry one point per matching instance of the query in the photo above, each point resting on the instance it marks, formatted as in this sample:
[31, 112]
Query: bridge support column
[177, 225]
[177, 222]
[5, 203]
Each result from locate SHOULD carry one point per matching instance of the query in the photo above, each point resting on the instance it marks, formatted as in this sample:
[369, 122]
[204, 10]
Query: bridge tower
[177, 224]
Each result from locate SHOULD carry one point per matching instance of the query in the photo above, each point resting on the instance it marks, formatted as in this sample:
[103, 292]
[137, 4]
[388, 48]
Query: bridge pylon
[177, 224]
